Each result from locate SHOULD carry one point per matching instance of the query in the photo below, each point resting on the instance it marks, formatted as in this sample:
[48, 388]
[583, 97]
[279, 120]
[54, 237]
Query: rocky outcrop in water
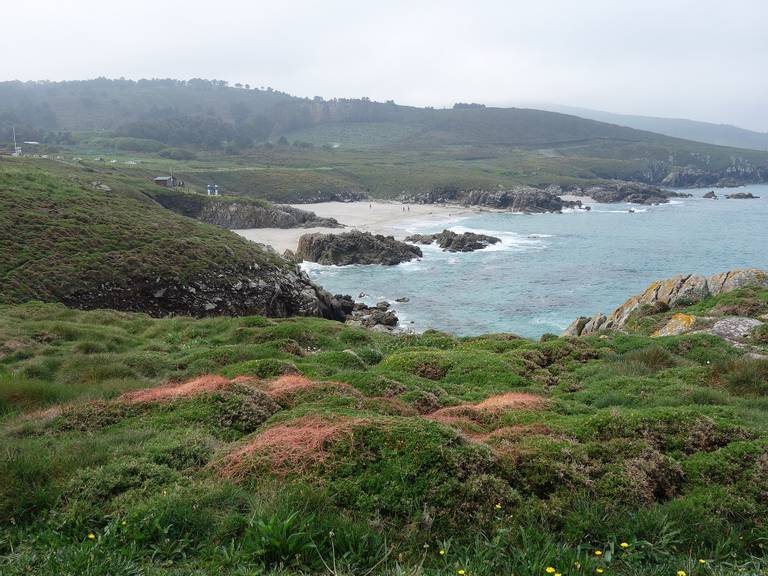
[710, 195]
[453, 242]
[631, 192]
[518, 199]
[742, 196]
[238, 213]
[675, 292]
[355, 248]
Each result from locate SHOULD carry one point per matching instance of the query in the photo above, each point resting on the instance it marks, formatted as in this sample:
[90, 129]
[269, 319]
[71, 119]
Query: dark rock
[276, 290]
[518, 199]
[742, 196]
[369, 316]
[402, 300]
[355, 248]
[452, 242]
[711, 194]
[631, 192]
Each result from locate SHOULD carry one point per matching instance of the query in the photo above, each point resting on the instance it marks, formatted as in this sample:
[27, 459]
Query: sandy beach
[387, 218]
[575, 198]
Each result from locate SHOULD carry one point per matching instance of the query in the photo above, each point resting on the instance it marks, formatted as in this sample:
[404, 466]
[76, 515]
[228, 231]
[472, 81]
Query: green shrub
[748, 376]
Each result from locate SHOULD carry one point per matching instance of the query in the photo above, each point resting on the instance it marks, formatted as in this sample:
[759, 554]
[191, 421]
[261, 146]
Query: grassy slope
[289, 173]
[659, 443]
[59, 234]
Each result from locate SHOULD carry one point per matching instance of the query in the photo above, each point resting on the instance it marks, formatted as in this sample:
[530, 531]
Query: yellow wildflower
[681, 573]
[598, 552]
[550, 570]
[624, 544]
[599, 570]
[460, 572]
[91, 536]
[442, 552]
[702, 561]
[498, 506]
[558, 574]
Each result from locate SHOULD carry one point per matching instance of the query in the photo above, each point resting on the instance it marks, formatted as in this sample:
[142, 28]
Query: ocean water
[551, 268]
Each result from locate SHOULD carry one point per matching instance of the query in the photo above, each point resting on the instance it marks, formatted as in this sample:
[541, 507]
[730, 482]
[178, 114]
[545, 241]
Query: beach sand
[574, 198]
[386, 218]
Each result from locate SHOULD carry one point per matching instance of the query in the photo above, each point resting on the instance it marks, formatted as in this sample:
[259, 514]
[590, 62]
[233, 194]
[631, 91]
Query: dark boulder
[453, 242]
[355, 248]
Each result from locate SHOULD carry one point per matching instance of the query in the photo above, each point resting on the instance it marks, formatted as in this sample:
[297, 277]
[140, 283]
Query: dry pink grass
[469, 419]
[285, 388]
[511, 400]
[287, 448]
[199, 385]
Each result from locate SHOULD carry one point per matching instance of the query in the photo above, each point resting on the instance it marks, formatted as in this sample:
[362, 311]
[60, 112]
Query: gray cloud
[701, 59]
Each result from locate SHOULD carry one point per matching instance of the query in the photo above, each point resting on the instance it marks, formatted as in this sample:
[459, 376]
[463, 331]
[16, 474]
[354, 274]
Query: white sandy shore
[574, 198]
[387, 218]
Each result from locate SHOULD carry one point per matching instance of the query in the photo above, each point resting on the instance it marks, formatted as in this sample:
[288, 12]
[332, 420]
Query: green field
[386, 455]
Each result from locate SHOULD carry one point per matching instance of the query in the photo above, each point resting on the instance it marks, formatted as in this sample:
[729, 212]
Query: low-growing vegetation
[133, 445]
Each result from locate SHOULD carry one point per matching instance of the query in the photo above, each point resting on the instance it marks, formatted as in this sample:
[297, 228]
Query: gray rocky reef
[451, 241]
[742, 196]
[517, 199]
[528, 199]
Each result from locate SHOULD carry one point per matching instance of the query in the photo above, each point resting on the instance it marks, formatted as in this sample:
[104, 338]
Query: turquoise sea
[551, 268]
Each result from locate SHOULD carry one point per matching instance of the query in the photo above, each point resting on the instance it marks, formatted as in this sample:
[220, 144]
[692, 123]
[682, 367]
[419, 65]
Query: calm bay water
[551, 268]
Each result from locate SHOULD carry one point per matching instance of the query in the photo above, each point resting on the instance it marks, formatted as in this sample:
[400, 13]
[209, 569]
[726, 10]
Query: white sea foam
[510, 241]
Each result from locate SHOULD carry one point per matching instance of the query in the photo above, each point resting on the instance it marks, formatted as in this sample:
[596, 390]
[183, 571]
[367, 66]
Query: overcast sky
[700, 59]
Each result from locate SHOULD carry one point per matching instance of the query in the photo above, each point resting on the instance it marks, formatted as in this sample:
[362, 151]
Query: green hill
[95, 240]
[354, 145]
[710, 133]
[134, 445]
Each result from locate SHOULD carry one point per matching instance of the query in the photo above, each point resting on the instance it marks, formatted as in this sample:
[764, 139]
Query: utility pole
[16, 149]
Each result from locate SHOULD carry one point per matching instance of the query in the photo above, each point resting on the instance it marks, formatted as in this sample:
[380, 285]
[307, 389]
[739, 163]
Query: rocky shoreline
[663, 295]
[238, 213]
[553, 198]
